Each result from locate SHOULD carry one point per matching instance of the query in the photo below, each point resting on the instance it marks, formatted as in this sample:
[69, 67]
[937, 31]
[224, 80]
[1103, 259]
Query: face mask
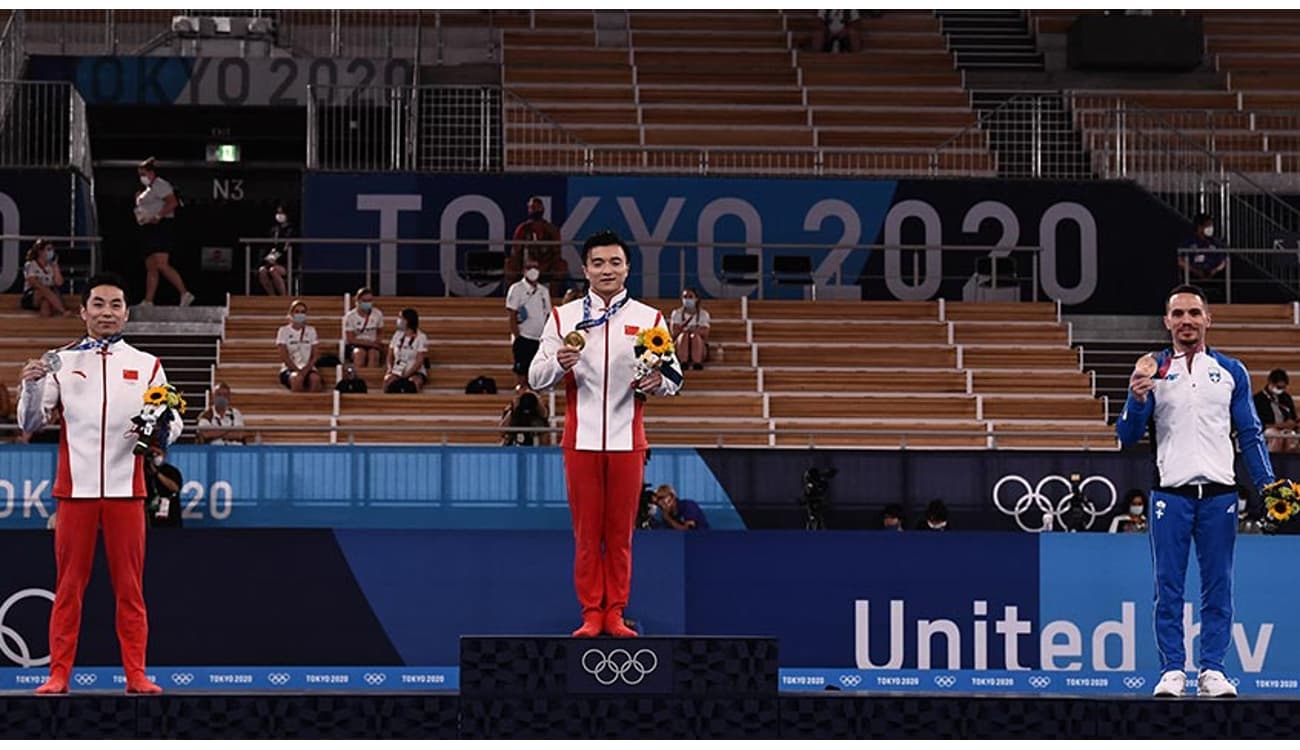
[144, 180]
[401, 324]
[300, 317]
[221, 402]
[1275, 390]
[365, 306]
[1209, 231]
[536, 215]
[1241, 506]
[49, 254]
[1135, 510]
[281, 218]
[938, 526]
[532, 274]
[157, 460]
[688, 303]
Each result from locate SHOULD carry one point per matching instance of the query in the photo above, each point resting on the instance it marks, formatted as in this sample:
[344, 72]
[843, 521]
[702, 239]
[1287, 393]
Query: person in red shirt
[538, 238]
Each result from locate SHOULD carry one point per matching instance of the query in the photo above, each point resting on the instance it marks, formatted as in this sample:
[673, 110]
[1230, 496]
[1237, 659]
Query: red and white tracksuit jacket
[604, 441]
[98, 481]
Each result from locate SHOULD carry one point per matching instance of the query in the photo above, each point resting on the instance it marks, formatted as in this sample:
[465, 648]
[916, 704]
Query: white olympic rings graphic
[850, 680]
[619, 664]
[1039, 681]
[1034, 496]
[277, 678]
[1134, 682]
[11, 640]
[374, 678]
[945, 680]
[183, 678]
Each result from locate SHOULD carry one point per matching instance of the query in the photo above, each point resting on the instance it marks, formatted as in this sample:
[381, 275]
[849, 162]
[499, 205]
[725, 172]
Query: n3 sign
[924, 282]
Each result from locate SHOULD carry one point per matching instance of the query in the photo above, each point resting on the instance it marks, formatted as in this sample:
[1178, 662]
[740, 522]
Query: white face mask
[281, 218]
[1209, 231]
[688, 303]
[1135, 510]
[940, 526]
[1275, 390]
[300, 318]
[532, 274]
[401, 324]
[144, 180]
[157, 460]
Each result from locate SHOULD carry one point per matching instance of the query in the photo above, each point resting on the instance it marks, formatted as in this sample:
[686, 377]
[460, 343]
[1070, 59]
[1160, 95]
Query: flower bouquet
[1281, 504]
[653, 349]
[162, 403]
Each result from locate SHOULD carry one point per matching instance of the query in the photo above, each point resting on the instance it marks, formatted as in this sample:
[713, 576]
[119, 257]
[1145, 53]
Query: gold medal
[575, 340]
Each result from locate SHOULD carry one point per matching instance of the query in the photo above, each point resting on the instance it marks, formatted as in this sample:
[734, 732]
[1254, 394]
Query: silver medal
[52, 361]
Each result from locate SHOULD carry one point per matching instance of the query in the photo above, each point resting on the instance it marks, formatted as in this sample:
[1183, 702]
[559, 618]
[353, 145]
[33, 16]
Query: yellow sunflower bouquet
[1281, 504]
[162, 403]
[653, 349]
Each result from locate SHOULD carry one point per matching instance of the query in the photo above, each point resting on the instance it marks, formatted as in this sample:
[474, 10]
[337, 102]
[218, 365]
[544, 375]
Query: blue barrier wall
[1071, 609]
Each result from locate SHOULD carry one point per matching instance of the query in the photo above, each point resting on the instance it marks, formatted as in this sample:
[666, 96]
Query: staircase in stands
[991, 39]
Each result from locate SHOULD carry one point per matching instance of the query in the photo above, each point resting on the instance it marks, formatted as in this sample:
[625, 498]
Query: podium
[635, 688]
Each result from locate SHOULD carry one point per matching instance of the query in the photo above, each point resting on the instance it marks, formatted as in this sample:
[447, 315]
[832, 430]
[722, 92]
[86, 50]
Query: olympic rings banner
[986, 612]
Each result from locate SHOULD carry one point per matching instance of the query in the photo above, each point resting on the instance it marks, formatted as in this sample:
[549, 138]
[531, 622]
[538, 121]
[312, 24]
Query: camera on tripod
[815, 500]
[1079, 512]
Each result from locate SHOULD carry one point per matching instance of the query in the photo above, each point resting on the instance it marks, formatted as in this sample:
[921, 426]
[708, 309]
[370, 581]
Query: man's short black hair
[103, 278]
[602, 238]
[893, 510]
[1186, 289]
[1278, 376]
[1202, 218]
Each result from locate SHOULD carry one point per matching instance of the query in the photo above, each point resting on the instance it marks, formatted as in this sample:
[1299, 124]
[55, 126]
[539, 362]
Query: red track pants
[604, 492]
[76, 525]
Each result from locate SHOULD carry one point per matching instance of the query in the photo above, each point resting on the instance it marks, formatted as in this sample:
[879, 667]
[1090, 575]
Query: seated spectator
[272, 274]
[299, 347]
[936, 517]
[676, 513]
[690, 330]
[1204, 268]
[1277, 414]
[221, 423]
[363, 331]
[525, 410]
[840, 30]
[1134, 519]
[43, 281]
[407, 356]
[351, 382]
[891, 519]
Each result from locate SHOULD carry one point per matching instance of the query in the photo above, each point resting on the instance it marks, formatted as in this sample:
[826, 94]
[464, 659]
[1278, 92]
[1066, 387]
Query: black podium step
[550, 687]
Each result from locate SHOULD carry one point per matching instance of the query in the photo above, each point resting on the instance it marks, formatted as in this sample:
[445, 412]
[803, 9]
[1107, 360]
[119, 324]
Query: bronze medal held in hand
[1146, 366]
[575, 340]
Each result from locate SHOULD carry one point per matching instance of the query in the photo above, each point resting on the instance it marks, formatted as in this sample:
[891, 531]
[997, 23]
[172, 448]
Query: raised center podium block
[676, 686]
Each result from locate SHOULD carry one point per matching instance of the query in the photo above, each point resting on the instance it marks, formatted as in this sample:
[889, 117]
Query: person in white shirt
[299, 347]
[155, 208]
[407, 352]
[528, 303]
[42, 281]
[604, 436]
[363, 330]
[221, 423]
[690, 330]
[96, 387]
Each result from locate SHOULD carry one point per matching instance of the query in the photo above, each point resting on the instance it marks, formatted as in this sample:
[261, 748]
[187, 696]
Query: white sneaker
[1212, 684]
[1172, 685]
[187, 299]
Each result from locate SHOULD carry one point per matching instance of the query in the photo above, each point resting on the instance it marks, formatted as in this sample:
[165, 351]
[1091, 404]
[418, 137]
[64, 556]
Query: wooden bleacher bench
[798, 355]
[851, 332]
[987, 332]
[1047, 435]
[1001, 311]
[852, 381]
[950, 433]
[924, 406]
[1042, 407]
[1020, 357]
[1043, 381]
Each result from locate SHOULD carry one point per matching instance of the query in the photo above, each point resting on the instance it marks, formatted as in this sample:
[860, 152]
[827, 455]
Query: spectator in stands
[363, 329]
[155, 211]
[936, 517]
[407, 356]
[1134, 519]
[572, 294]
[43, 281]
[351, 382]
[299, 347]
[676, 513]
[839, 30]
[1277, 414]
[221, 423]
[272, 275]
[690, 330]
[1245, 524]
[1206, 267]
[528, 304]
[525, 410]
[891, 519]
[538, 238]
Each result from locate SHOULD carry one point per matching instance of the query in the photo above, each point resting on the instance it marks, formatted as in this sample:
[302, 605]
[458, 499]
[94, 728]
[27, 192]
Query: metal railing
[45, 127]
[404, 128]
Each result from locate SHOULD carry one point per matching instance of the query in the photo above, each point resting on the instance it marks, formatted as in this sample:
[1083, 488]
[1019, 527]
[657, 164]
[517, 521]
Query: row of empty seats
[739, 86]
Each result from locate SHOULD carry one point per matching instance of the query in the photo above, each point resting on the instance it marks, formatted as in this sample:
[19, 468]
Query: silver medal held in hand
[52, 361]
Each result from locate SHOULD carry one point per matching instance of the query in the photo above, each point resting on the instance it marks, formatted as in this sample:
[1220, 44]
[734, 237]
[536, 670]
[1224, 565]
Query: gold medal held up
[575, 340]
[1146, 366]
